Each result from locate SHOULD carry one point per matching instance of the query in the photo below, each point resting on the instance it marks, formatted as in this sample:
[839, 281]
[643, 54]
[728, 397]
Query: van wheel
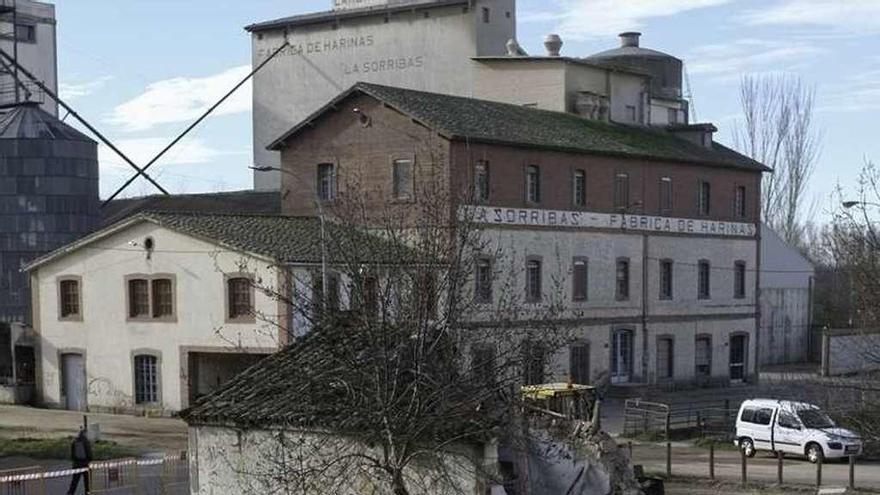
[815, 453]
[747, 446]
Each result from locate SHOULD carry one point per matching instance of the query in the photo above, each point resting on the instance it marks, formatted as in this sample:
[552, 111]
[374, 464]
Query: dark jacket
[81, 450]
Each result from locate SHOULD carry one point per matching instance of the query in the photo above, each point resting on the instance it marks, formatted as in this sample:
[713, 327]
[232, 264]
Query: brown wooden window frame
[234, 286]
[70, 310]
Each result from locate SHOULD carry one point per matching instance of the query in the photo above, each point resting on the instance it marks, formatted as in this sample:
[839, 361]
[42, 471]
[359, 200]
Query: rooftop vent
[553, 44]
[630, 38]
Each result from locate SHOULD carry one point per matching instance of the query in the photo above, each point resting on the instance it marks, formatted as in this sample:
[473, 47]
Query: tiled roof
[283, 239]
[460, 118]
[317, 382]
[240, 202]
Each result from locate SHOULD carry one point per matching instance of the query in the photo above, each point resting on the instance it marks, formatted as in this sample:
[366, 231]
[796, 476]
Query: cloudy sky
[142, 70]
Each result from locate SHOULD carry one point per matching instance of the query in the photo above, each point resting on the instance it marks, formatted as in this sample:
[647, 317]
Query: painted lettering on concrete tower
[357, 4]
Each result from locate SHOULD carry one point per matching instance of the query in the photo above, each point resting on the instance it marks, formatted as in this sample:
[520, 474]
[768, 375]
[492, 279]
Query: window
[332, 291]
[238, 291]
[579, 364]
[705, 198]
[763, 416]
[703, 356]
[69, 294]
[483, 280]
[631, 113]
[666, 194]
[138, 298]
[533, 280]
[665, 358]
[739, 279]
[163, 297]
[621, 191]
[622, 279]
[428, 295]
[533, 363]
[748, 415]
[703, 280]
[739, 203]
[665, 279]
[788, 420]
[483, 362]
[402, 171]
[486, 16]
[579, 188]
[26, 32]
[580, 280]
[672, 115]
[533, 184]
[146, 379]
[371, 296]
[326, 182]
[481, 181]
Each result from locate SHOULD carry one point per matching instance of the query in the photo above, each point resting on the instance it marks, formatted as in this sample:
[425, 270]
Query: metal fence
[713, 418]
[168, 474]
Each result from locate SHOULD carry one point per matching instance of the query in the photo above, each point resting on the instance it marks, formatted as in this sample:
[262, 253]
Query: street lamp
[320, 208]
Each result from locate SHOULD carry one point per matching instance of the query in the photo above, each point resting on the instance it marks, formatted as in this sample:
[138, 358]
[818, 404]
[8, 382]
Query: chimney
[553, 44]
[629, 38]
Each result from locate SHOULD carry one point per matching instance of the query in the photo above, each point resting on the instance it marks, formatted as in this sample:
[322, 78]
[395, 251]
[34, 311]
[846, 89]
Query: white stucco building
[34, 44]
[161, 308]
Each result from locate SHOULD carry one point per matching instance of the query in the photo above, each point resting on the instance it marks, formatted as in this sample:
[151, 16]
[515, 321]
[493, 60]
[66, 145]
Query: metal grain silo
[48, 195]
[666, 70]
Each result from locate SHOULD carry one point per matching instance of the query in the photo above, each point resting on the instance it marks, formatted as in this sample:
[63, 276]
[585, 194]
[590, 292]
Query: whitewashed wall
[108, 339]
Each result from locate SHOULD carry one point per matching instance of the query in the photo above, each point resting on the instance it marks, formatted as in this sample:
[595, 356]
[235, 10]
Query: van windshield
[815, 418]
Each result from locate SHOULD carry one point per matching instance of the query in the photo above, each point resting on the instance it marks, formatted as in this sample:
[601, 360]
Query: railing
[712, 418]
[27, 91]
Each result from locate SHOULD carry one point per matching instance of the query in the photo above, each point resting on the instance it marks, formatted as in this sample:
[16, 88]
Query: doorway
[73, 382]
[738, 358]
[621, 356]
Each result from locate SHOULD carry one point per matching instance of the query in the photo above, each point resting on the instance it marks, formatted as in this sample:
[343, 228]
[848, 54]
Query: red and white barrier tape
[93, 466]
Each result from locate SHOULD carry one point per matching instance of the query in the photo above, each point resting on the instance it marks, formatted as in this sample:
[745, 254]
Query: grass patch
[59, 448]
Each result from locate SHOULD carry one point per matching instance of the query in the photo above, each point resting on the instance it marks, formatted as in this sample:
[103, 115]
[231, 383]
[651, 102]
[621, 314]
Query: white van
[793, 428]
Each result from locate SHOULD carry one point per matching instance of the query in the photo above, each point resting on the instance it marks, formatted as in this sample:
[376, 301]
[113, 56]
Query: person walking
[81, 455]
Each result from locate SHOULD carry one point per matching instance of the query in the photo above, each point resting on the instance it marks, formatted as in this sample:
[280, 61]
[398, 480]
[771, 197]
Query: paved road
[146, 434]
[693, 461]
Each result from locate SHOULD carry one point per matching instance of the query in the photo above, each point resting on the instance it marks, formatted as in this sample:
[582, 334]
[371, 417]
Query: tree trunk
[398, 484]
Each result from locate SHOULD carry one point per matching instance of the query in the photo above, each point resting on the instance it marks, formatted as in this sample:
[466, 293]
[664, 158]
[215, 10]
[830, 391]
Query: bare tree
[419, 336]
[777, 129]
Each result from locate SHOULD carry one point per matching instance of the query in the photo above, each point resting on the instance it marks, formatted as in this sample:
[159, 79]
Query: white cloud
[732, 60]
[581, 19]
[68, 91]
[849, 15]
[142, 150]
[182, 99]
[856, 92]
